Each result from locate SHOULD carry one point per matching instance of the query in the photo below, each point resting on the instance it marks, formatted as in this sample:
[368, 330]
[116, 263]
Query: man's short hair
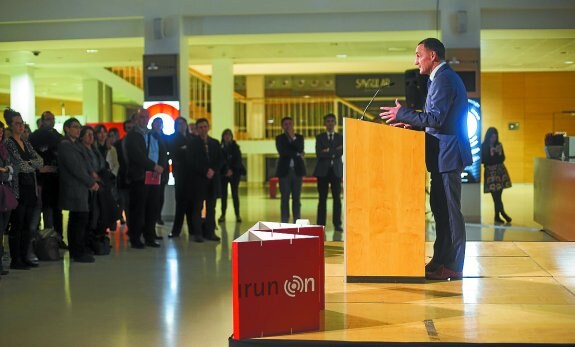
[284, 119]
[69, 121]
[435, 45]
[45, 113]
[202, 120]
[126, 122]
[329, 115]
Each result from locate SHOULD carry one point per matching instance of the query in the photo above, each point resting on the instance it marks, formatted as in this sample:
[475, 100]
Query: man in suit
[447, 152]
[290, 169]
[143, 154]
[329, 170]
[203, 166]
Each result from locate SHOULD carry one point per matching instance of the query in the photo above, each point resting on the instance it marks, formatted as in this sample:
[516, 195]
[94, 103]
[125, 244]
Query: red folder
[275, 284]
[152, 178]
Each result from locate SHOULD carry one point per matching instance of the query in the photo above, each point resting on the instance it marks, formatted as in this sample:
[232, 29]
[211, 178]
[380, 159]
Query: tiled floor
[519, 290]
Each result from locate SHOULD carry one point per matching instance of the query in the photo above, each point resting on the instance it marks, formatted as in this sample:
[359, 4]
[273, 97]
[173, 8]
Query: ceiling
[59, 67]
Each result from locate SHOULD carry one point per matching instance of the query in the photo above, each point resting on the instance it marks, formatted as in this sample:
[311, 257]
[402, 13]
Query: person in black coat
[496, 175]
[231, 173]
[329, 171]
[177, 147]
[204, 162]
[145, 159]
[290, 169]
[123, 181]
[45, 141]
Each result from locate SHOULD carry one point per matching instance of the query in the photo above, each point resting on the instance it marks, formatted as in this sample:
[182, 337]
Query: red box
[301, 229]
[275, 284]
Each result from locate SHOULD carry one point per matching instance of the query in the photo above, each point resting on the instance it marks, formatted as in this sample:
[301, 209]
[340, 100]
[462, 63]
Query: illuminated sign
[472, 173]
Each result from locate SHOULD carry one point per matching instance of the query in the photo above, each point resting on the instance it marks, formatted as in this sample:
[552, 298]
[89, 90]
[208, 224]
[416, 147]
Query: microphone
[373, 98]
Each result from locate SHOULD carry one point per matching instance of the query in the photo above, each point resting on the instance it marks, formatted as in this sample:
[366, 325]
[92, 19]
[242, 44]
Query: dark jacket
[177, 148]
[198, 162]
[325, 160]
[290, 149]
[488, 159]
[233, 159]
[447, 145]
[75, 178]
[137, 155]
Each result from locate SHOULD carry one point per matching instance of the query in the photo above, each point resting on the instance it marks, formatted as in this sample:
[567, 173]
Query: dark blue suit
[447, 152]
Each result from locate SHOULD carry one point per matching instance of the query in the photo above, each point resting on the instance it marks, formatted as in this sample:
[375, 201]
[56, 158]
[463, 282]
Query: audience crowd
[101, 179]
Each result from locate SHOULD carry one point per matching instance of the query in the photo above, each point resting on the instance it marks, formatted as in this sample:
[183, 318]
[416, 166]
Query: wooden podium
[384, 203]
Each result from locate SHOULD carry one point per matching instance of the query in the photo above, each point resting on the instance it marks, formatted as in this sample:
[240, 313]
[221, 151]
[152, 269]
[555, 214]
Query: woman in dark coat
[76, 183]
[231, 173]
[6, 174]
[26, 161]
[496, 175]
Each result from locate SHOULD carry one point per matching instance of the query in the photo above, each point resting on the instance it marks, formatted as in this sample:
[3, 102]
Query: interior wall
[535, 100]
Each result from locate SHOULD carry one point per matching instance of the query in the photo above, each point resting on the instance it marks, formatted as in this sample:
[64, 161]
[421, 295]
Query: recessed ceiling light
[396, 49]
[91, 51]
[30, 64]
[568, 62]
[341, 56]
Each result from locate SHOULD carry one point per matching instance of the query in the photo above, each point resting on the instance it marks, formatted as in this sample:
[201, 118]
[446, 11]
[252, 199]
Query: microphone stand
[373, 98]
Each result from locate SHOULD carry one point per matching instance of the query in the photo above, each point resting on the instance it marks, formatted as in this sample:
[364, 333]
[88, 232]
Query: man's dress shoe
[443, 273]
[152, 244]
[431, 266]
[138, 245]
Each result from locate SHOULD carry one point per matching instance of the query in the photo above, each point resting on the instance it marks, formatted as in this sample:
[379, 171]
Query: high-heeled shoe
[507, 218]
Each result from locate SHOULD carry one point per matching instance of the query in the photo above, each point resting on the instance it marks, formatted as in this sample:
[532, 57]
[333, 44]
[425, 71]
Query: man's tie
[330, 137]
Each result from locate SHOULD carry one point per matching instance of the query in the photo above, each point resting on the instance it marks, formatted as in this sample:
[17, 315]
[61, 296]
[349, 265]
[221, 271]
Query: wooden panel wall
[533, 99]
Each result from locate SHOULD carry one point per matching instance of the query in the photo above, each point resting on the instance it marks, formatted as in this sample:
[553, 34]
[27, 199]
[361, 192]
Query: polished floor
[518, 286]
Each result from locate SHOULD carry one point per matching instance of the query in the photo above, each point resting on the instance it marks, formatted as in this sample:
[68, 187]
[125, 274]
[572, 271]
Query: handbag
[7, 198]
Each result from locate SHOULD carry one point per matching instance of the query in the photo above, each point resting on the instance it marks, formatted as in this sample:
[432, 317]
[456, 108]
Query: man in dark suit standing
[447, 152]
[204, 160]
[290, 169]
[329, 170]
[144, 155]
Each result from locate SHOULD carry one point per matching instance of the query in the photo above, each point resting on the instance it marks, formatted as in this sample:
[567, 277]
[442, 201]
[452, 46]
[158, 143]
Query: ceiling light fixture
[152, 67]
[341, 56]
[454, 61]
[91, 51]
[568, 62]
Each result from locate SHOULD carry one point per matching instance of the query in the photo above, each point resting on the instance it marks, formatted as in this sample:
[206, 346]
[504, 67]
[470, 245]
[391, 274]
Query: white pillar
[255, 92]
[222, 98]
[460, 23]
[165, 35]
[92, 100]
[22, 97]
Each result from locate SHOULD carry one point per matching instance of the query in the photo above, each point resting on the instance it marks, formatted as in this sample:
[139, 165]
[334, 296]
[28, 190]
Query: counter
[554, 197]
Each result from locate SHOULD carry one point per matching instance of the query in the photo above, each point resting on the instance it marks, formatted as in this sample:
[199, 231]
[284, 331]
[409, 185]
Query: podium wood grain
[384, 198]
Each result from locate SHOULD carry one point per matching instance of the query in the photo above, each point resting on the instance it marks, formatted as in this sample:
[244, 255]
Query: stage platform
[512, 293]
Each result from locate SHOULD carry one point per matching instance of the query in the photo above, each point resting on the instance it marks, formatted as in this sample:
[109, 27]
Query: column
[255, 92]
[22, 97]
[92, 100]
[165, 35]
[222, 98]
[460, 23]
